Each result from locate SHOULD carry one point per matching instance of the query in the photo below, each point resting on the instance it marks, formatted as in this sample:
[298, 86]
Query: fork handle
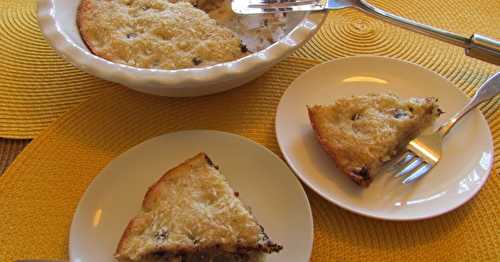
[486, 91]
[477, 46]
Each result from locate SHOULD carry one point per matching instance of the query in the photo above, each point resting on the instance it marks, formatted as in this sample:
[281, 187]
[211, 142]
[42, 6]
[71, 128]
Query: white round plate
[467, 152]
[264, 181]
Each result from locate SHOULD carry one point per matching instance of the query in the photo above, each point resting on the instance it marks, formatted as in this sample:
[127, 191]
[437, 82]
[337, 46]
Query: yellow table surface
[76, 136]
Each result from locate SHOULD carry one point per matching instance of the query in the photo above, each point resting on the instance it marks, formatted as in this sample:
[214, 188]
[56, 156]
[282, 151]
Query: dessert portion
[255, 31]
[192, 214]
[361, 133]
[155, 34]
[173, 34]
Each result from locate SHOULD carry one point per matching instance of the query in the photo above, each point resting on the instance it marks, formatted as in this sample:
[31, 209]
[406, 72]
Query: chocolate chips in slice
[197, 61]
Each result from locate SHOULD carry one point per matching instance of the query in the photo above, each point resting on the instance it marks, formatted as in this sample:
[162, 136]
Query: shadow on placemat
[9, 149]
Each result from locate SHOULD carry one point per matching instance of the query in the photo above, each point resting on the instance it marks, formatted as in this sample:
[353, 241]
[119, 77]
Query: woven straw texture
[36, 86]
[41, 189]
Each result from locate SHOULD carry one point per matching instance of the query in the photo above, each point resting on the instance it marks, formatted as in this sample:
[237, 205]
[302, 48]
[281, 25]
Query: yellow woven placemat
[40, 191]
[36, 86]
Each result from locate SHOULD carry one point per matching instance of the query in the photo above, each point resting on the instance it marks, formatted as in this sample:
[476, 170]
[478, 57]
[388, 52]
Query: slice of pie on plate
[361, 133]
[192, 214]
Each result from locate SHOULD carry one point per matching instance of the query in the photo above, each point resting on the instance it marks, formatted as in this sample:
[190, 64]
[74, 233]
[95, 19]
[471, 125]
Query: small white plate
[467, 152]
[264, 181]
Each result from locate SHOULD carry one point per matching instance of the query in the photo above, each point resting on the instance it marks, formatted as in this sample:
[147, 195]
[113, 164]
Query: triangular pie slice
[361, 133]
[192, 214]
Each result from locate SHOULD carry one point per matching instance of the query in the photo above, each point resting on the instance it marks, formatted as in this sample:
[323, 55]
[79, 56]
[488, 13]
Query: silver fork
[424, 152]
[477, 46]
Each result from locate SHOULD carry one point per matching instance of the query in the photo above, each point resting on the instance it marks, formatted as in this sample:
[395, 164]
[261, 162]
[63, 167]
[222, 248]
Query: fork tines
[412, 165]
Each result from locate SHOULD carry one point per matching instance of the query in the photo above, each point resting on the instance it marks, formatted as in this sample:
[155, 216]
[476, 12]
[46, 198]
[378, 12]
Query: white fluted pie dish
[57, 20]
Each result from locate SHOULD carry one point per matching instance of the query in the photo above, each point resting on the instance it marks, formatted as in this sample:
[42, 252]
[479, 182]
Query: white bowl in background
[57, 20]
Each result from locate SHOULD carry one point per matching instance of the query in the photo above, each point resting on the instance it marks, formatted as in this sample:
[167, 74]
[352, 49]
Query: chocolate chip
[159, 254]
[355, 117]
[197, 61]
[243, 48]
[209, 161]
[242, 257]
[236, 194]
[131, 35]
[363, 172]
[398, 113]
[161, 235]
[265, 237]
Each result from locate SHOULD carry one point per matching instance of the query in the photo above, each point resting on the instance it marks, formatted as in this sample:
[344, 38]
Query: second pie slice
[192, 214]
[361, 133]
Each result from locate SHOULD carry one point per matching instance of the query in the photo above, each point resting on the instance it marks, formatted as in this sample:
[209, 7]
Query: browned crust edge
[186, 164]
[84, 9]
[208, 249]
[124, 236]
[267, 247]
[358, 179]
